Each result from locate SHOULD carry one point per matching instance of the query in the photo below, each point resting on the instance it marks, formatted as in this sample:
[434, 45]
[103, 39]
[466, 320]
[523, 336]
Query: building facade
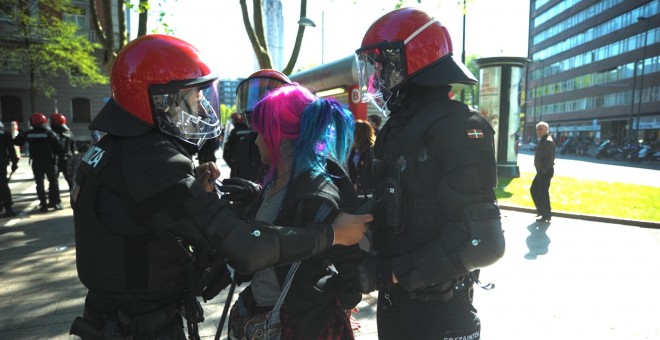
[595, 69]
[78, 105]
[227, 91]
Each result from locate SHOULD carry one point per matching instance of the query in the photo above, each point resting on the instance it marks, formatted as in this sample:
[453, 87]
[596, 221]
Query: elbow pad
[486, 239]
[253, 247]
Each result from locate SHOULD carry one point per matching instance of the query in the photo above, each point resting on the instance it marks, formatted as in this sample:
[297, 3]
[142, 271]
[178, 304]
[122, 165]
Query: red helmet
[164, 83]
[57, 119]
[406, 45]
[236, 118]
[254, 87]
[38, 118]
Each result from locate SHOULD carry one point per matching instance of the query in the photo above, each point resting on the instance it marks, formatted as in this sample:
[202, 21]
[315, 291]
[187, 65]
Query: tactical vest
[125, 258]
[416, 199]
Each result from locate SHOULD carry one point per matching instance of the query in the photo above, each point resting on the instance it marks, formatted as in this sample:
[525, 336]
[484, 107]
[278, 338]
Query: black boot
[10, 212]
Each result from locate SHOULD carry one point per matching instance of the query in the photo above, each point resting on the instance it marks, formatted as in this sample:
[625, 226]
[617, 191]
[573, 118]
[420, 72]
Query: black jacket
[7, 150]
[544, 156]
[308, 308]
[134, 195]
[361, 174]
[44, 144]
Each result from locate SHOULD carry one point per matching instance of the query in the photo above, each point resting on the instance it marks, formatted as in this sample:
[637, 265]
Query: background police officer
[44, 147]
[7, 155]
[152, 233]
[58, 125]
[436, 220]
[240, 152]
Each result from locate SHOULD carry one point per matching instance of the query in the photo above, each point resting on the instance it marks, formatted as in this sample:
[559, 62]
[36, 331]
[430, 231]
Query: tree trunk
[142, 18]
[296, 46]
[121, 18]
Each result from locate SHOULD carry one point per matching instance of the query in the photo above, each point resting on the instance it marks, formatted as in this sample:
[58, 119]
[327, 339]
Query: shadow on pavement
[40, 291]
[538, 241]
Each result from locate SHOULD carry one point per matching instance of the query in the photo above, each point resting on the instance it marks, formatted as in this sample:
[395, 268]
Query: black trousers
[61, 167]
[5, 192]
[402, 317]
[41, 171]
[540, 191]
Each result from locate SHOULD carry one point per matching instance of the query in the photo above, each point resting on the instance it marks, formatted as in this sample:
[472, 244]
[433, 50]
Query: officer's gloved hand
[240, 191]
[374, 274]
[14, 166]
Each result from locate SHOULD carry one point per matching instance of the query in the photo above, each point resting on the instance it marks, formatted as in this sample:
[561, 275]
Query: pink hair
[277, 117]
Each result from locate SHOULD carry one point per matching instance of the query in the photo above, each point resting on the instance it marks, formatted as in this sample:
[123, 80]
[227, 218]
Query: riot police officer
[152, 233]
[7, 155]
[58, 125]
[436, 221]
[44, 148]
[241, 152]
[229, 152]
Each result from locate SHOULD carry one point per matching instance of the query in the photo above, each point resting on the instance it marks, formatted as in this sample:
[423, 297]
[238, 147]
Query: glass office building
[595, 70]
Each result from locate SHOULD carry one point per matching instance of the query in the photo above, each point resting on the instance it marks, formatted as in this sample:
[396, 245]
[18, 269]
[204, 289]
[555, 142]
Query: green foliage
[591, 197]
[46, 46]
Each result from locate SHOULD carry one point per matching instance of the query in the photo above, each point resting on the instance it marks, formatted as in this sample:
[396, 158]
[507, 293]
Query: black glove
[240, 191]
[214, 280]
[374, 274]
[14, 166]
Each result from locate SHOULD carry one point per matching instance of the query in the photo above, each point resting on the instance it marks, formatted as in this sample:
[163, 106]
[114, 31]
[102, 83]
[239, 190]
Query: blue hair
[326, 131]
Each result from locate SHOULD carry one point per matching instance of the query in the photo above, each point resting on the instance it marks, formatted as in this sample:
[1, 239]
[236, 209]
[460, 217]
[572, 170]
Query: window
[11, 108]
[81, 110]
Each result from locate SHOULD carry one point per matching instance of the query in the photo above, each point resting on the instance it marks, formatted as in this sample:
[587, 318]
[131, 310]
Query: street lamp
[305, 21]
[641, 77]
[463, 48]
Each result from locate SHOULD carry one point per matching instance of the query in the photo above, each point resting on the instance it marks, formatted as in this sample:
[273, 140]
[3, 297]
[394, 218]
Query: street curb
[585, 217]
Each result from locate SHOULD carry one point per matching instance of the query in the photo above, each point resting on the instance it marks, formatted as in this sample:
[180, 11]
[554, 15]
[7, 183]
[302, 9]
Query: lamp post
[463, 48]
[641, 77]
[305, 21]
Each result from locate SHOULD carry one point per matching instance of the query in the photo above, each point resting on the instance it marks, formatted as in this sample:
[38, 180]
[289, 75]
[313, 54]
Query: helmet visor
[381, 70]
[189, 112]
[250, 91]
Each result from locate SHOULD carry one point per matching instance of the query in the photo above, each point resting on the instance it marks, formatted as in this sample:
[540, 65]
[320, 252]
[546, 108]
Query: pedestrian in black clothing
[544, 161]
[58, 125]
[436, 220]
[230, 152]
[360, 159]
[7, 155]
[152, 232]
[44, 148]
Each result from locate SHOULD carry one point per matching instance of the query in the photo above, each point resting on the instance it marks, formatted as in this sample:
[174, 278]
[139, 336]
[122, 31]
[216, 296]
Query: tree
[256, 34]
[106, 30]
[48, 47]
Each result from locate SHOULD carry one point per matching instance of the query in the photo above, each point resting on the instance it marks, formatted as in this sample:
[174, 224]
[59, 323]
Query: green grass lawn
[629, 201]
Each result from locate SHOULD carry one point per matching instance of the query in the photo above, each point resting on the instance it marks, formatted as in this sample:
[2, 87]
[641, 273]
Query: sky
[215, 27]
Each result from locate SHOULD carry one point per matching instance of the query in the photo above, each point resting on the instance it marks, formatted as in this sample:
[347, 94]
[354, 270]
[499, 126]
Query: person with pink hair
[305, 141]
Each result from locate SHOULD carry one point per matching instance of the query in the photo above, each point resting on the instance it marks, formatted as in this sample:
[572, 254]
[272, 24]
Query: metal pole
[322, 37]
[641, 77]
[463, 50]
[631, 128]
[542, 82]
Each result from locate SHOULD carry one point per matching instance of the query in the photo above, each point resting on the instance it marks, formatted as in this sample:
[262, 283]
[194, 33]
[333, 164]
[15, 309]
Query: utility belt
[445, 291]
[126, 326]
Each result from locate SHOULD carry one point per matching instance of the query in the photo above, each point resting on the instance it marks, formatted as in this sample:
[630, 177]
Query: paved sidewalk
[571, 279]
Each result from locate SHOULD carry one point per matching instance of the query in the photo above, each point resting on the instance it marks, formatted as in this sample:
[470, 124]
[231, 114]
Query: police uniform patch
[475, 133]
[93, 156]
